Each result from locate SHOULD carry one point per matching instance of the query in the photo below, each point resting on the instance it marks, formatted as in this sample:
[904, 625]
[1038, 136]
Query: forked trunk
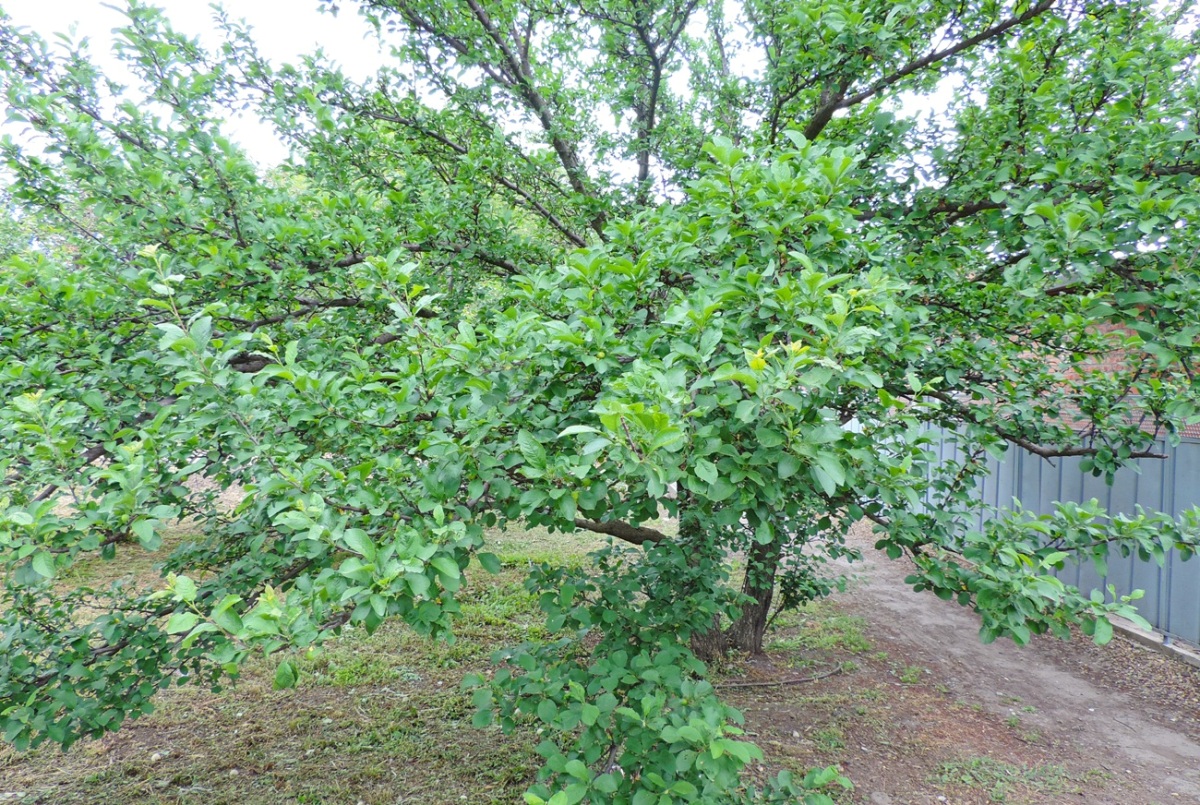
[746, 632]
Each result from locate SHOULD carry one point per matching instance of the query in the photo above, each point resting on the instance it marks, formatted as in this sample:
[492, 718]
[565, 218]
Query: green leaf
[445, 566]
[746, 410]
[224, 616]
[489, 561]
[595, 445]
[147, 534]
[547, 711]
[573, 429]
[816, 378]
[419, 584]
[285, 676]
[43, 564]
[706, 471]
[719, 490]
[789, 465]
[26, 403]
[729, 372]
[828, 472]
[1054, 558]
[358, 541]
[182, 622]
[185, 589]
[531, 449]
[664, 439]
[768, 437]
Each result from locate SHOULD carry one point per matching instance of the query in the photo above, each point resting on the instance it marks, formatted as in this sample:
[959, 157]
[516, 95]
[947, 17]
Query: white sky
[282, 29]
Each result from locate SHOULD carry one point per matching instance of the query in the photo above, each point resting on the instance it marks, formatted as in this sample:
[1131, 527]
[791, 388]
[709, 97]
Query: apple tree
[584, 266]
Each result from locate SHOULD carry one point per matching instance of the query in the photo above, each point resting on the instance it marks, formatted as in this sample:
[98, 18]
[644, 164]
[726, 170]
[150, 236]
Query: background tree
[471, 300]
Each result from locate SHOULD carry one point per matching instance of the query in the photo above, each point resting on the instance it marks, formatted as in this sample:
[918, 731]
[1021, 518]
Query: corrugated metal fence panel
[1183, 578]
[1172, 592]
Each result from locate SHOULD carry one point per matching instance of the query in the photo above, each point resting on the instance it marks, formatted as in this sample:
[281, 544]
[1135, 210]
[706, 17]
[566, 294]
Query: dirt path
[1141, 740]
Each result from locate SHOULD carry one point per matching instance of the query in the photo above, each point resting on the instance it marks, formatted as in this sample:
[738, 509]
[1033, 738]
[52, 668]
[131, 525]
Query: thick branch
[307, 306]
[635, 535]
[91, 454]
[510, 268]
[830, 98]
[1182, 169]
[1044, 451]
[955, 211]
[533, 99]
[525, 197]
[838, 101]
[318, 268]
[940, 55]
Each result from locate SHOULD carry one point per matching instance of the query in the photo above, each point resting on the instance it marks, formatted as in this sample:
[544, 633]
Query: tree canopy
[583, 266]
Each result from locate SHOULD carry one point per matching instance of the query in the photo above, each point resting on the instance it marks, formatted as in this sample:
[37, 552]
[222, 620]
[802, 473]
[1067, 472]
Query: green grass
[376, 718]
[1004, 782]
[383, 718]
[820, 627]
[830, 738]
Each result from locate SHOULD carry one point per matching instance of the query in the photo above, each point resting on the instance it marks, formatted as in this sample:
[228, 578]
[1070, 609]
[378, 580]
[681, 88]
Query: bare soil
[931, 715]
[892, 686]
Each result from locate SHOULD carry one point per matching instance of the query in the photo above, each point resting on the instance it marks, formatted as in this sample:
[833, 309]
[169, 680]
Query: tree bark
[710, 645]
[746, 632]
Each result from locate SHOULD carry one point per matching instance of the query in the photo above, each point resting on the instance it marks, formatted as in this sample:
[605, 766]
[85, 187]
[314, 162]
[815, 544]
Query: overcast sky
[283, 30]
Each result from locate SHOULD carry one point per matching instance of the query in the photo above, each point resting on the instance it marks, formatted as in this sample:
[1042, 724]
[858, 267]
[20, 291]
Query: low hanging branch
[1042, 450]
[636, 535]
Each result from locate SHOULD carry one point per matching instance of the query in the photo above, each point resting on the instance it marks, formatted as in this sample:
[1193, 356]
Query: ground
[932, 715]
[892, 686]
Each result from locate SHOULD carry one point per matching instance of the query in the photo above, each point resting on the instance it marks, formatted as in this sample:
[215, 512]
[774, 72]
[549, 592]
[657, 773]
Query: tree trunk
[710, 645]
[746, 632]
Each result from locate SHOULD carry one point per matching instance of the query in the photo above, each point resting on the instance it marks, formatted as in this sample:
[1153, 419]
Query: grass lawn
[375, 718]
[382, 718]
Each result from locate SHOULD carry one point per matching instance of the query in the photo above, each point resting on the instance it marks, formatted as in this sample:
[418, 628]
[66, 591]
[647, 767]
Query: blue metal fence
[1172, 592]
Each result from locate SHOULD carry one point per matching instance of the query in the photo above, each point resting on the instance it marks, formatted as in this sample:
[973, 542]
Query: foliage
[444, 317]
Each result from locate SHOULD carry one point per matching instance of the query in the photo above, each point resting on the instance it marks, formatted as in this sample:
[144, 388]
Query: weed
[824, 629]
[911, 674]
[999, 780]
[830, 738]
[800, 663]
